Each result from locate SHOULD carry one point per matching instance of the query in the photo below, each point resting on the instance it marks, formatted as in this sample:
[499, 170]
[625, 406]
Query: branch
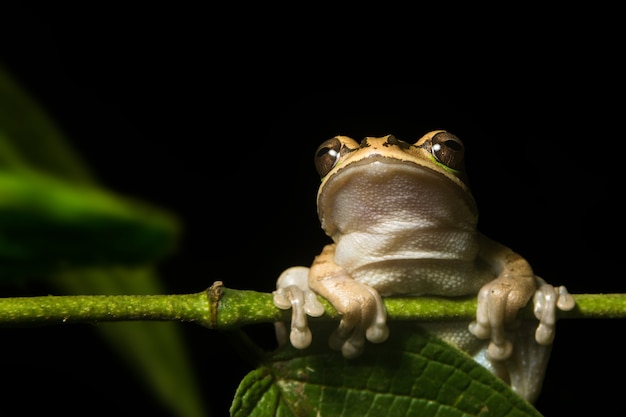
[222, 308]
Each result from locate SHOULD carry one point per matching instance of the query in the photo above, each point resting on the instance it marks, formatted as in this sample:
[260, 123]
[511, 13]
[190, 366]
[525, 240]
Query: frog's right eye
[328, 155]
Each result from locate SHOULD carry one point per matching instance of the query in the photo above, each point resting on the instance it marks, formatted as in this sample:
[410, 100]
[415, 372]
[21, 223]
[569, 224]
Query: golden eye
[327, 156]
[448, 150]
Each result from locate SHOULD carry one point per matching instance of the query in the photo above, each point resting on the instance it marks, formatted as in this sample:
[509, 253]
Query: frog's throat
[386, 191]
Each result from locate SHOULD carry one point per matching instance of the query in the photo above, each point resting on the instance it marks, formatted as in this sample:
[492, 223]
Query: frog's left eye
[328, 155]
[448, 150]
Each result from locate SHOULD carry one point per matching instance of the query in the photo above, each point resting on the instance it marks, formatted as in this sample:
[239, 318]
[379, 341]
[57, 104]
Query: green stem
[95, 308]
[226, 309]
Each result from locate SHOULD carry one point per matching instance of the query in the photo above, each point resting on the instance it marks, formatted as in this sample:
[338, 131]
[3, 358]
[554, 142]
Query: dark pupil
[323, 151]
[454, 145]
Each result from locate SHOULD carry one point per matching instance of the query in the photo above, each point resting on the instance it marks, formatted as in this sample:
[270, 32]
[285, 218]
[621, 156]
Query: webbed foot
[363, 314]
[363, 317]
[546, 301]
[498, 304]
[293, 292]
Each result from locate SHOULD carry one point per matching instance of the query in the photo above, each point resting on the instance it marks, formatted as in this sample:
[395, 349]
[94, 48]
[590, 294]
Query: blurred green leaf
[52, 213]
[411, 374]
[47, 224]
[57, 224]
[30, 140]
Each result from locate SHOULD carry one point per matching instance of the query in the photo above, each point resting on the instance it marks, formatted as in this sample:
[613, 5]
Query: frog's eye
[328, 155]
[448, 150]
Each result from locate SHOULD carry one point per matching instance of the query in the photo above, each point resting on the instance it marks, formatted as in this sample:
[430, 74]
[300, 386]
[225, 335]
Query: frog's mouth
[379, 189]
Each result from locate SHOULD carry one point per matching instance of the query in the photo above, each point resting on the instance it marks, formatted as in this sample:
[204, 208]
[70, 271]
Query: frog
[403, 222]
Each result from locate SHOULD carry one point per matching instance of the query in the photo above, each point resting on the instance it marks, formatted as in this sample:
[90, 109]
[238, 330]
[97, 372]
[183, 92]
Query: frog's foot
[293, 292]
[498, 304]
[546, 301]
[363, 316]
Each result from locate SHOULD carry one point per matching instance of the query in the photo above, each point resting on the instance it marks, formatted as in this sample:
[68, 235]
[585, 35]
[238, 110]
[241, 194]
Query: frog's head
[438, 150]
[385, 176]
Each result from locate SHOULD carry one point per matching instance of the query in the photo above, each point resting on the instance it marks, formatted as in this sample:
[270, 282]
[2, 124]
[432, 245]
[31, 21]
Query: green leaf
[57, 223]
[411, 374]
[47, 224]
[52, 213]
[30, 140]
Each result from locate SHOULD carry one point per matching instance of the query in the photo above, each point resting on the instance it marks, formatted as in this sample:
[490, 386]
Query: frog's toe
[547, 300]
[492, 312]
[565, 300]
[351, 346]
[377, 330]
[480, 329]
[349, 336]
[365, 319]
[500, 347]
[351, 340]
[377, 333]
[500, 351]
[300, 334]
[293, 292]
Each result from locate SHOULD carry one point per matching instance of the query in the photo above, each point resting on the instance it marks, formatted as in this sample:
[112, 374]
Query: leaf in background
[52, 214]
[57, 224]
[411, 374]
[30, 140]
[47, 224]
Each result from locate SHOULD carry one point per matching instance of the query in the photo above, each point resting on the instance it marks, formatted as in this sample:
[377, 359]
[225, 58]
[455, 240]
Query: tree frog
[404, 223]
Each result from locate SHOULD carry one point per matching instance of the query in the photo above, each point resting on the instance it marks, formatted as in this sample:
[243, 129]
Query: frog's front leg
[500, 300]
[361, 308]
[498, 303]
[363, 313]
[527, 364]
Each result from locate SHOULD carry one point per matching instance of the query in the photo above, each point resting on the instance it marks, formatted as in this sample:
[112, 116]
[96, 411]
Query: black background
[215, 115]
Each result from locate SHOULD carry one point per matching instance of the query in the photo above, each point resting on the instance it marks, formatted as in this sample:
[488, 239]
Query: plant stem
[226, 309]
[95, 308]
